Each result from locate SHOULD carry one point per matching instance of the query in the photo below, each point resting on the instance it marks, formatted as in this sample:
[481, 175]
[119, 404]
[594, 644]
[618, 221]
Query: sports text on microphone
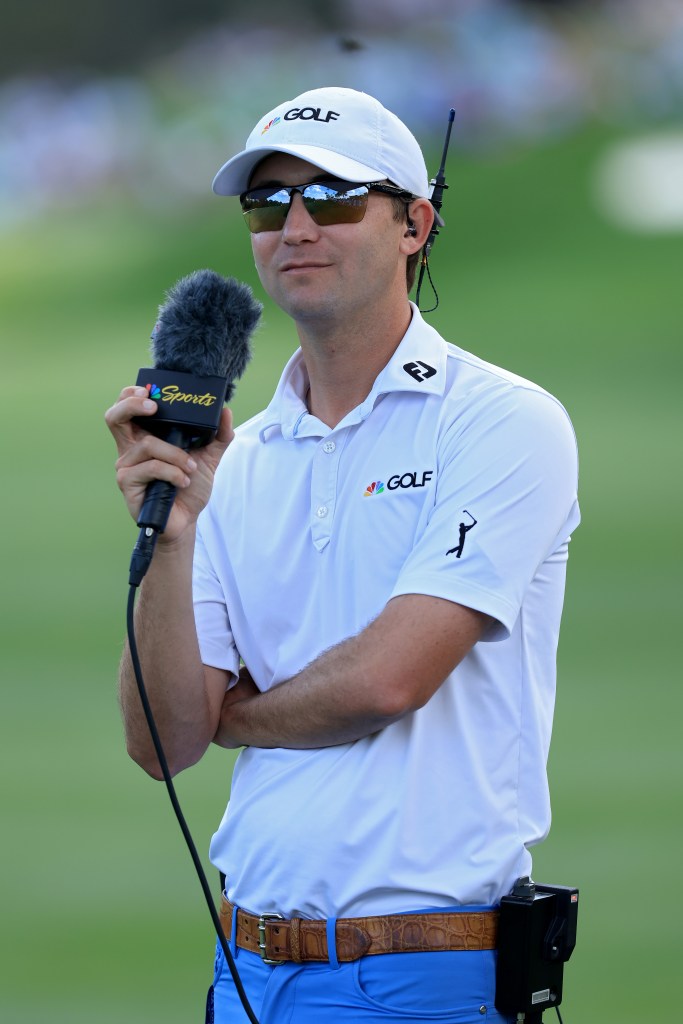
[172, 393]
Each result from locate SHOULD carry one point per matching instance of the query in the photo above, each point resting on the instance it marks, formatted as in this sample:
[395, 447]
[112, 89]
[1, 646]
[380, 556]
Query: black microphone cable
[163, 764]
[200, 346]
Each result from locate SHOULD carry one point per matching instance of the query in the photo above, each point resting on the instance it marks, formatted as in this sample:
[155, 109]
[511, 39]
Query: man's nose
[299, 224]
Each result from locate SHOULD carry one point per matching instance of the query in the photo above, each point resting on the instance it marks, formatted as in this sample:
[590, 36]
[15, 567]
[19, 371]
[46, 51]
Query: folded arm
[360, 686]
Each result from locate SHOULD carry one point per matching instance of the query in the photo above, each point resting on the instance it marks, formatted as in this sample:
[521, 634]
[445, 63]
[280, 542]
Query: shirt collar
[418, 364]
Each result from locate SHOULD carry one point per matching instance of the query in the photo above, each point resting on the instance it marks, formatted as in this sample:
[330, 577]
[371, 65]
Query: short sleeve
[216, 641]
[505, 501]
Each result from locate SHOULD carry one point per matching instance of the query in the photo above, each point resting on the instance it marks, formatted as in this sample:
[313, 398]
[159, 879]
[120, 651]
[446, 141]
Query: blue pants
[450, 988]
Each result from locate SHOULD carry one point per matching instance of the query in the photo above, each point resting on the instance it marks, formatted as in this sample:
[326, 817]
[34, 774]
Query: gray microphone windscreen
[205, 327]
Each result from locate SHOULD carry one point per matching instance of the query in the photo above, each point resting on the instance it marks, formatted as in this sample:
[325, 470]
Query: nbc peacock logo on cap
[153, 391]
[270, 124]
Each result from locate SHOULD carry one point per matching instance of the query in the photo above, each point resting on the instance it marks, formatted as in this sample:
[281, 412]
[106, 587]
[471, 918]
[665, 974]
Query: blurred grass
[102, 917]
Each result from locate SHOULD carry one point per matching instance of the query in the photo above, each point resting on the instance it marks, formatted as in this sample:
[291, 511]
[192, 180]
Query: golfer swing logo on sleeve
[464, 528]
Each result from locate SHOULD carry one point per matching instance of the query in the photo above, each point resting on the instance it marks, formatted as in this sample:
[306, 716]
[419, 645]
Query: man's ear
[420, 216]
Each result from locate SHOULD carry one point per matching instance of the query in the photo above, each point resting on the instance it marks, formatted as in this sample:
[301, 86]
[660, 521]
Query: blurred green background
[102, 917]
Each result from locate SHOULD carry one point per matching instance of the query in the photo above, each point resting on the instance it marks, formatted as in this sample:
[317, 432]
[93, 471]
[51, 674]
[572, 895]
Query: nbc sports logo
[153, 391]
[377, 487]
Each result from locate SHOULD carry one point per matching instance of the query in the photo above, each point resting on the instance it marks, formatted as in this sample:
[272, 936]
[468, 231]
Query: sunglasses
[328, 202]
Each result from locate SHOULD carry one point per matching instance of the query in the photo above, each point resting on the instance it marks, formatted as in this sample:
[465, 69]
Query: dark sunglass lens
[265, 210]
[331, 202]
[335, 203]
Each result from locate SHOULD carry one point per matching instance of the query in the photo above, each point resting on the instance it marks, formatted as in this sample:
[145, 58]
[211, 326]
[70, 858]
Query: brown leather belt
[301, 940]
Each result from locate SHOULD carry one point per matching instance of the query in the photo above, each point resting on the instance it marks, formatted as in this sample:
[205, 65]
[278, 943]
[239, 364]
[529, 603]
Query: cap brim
[235, 175]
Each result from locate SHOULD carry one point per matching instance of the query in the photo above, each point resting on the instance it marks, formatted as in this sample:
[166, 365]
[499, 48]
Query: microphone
[200, 346]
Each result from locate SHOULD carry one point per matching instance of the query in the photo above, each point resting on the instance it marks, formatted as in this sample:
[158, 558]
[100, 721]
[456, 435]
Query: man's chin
[303, 309]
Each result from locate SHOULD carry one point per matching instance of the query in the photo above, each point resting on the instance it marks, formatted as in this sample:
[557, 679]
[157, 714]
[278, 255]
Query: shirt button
[321, 511]
[329, 447]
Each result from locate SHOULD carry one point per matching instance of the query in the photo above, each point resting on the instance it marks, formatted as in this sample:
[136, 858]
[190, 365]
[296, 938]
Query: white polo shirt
[453, 478]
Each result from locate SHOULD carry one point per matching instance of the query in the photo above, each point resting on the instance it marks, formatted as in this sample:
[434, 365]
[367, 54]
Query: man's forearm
[310, 710]
[363, 684]
[171, 665]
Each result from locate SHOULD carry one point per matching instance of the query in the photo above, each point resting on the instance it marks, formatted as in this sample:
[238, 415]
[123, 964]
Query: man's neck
[343, 362]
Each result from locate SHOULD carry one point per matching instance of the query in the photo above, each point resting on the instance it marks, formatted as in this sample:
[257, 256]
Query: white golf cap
[347, 133]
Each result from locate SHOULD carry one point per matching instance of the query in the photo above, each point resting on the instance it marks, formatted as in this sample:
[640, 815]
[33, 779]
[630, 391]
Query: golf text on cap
[310, 114]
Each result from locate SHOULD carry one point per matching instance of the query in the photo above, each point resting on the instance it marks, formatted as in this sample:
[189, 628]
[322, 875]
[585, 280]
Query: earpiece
[412, 232]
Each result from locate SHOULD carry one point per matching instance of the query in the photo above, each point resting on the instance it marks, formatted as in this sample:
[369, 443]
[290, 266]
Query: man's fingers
[212, 454]
[133, 401]
[140, 474]
[224, 435]
[225, 432]
[150, 448]
[144, 457]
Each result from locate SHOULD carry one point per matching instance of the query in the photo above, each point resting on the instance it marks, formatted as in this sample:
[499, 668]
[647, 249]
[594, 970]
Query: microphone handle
[160, 495]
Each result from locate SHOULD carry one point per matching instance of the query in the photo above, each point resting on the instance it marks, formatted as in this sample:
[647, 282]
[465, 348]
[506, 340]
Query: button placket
[323, 491]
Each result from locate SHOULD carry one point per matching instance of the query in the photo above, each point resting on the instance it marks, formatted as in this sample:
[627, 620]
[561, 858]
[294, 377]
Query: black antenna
[438, 186]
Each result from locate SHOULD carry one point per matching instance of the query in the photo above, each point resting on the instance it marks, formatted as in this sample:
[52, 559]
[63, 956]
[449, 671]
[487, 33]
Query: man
[384, 548]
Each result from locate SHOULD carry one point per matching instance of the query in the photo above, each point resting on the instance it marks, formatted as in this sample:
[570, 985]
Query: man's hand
[144, 457]
[244, 688]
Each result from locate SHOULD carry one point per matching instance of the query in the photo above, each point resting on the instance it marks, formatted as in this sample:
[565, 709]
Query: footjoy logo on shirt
[419, 371]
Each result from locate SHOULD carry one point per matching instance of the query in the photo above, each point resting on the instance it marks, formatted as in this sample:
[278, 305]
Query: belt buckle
[262, 935]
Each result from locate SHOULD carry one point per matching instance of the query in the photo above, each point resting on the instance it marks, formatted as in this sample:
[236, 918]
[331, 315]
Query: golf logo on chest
[404, 481]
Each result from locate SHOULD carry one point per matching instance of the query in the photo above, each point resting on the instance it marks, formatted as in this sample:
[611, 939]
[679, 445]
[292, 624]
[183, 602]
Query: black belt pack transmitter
[536, 937]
